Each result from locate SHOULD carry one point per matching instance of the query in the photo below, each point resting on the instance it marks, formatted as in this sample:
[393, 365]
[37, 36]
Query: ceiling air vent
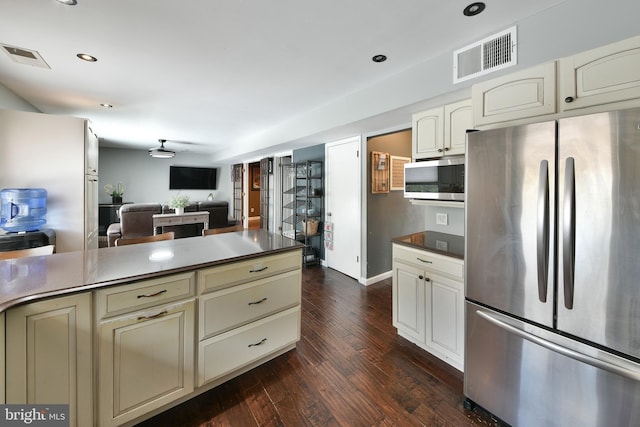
[485, 56]
[25, 56]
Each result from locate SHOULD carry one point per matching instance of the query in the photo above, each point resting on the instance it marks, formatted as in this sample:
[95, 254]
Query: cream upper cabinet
[523, 94]
[428, 302]
[428, 133]
[49, 355]
[441, 131]
[601, 76]
[458, 117]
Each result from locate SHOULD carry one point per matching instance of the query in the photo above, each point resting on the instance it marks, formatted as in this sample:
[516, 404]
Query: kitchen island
[428, 293]
[123, 333]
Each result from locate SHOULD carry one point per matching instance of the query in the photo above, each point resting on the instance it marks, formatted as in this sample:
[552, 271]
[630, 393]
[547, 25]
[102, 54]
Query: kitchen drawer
[429, 261]
[225, 353]
[243, 271]
[147, 293]
[225, 309]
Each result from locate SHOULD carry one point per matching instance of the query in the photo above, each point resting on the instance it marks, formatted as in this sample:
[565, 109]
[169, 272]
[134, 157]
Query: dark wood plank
[350, 368]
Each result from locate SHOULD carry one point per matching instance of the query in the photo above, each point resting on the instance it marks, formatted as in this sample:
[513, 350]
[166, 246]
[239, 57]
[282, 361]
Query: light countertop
[31, 278]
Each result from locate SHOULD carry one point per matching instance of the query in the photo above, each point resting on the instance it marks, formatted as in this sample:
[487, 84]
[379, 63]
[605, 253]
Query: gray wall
[147, 179]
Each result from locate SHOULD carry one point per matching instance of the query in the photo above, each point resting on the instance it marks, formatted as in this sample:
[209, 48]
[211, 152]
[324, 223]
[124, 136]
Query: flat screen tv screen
[192, 178]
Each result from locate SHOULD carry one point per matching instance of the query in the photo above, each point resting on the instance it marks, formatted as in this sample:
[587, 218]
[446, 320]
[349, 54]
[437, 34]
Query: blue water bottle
[23, 209]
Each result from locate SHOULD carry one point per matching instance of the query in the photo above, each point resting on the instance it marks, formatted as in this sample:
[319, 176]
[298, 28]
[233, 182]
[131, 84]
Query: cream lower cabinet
[146, 356]
[248, 312]
[428, 302]
[49, 355]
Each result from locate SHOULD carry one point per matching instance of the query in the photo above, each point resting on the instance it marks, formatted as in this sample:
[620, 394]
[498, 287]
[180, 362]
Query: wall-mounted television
[192, 178]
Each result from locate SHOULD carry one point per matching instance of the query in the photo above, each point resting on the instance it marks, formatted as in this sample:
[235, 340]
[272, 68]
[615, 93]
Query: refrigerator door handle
[569, 232]
[581, 357]
[543, 230]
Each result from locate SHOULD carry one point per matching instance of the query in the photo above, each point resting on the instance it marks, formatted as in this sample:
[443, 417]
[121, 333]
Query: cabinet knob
[447, 149]
[426, 279]
[421, 277]
[569, 99]
[439, 150]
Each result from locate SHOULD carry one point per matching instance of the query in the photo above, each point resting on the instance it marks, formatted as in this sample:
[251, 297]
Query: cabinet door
[428, 134]
[91, 212]
[49, 355]
[445, 318]
[146, 360]
[408, 301]
[90, 149]
[458, 117]
[527, 93]
[601, 76]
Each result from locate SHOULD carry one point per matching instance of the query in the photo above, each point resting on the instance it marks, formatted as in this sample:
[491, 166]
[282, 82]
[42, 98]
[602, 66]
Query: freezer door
[528, 376]
[599, 229]
[509, 219]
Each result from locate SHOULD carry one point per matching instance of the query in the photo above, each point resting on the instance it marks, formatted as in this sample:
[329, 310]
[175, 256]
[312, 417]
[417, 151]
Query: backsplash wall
[455, 220]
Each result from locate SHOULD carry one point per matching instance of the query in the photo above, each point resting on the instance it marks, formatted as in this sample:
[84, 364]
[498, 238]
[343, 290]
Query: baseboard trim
[375, 279]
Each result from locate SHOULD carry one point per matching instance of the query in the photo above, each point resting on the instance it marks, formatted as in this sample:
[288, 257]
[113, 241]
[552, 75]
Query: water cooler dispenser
[22, 217]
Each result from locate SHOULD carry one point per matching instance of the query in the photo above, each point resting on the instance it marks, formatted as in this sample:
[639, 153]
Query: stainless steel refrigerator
[552, 265]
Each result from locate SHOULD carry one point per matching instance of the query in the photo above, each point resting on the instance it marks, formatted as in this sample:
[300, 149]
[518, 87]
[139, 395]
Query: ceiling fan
[161, 152]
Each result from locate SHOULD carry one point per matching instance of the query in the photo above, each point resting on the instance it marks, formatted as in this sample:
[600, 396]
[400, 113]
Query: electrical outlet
[442, 246]
[442, 219]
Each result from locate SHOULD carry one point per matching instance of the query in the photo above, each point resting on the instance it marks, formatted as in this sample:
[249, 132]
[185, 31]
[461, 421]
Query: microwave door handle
[569, 232]
[542, 232]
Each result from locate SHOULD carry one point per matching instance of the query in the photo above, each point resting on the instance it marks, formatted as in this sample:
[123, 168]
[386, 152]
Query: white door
[342, 243]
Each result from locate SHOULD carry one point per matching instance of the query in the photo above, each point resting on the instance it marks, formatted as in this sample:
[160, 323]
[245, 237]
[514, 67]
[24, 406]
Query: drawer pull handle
[264, 340]
[259, 270]
[152, 295]
[424, 260]
[153, 316]
[258, 302]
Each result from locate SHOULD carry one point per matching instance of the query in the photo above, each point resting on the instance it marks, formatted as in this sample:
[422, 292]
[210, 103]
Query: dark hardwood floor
[350, 368]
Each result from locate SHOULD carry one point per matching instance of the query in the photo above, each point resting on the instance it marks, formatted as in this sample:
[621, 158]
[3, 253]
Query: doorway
[253, 199]
[238, 192]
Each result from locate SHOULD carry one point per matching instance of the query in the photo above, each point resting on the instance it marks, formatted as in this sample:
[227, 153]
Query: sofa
[136, 220]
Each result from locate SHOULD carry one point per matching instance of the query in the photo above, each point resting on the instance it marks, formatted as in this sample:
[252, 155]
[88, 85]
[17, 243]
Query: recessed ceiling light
[87, 57]
[105, 105]
[68, 2]
[379, 58]
[474, 9]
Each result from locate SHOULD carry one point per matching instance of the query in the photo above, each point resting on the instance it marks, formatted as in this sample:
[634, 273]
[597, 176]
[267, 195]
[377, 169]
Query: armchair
[136, 220]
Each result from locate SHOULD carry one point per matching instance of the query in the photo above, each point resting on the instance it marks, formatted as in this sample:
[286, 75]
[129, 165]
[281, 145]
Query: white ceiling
[215, 73]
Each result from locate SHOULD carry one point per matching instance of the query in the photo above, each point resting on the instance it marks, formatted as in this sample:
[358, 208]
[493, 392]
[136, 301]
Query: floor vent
[25, 56]
[485, 56]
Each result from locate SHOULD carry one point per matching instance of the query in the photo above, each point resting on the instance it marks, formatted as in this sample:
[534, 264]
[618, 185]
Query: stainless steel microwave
[441, 179]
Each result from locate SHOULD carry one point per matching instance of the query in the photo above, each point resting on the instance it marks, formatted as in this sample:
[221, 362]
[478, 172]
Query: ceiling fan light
[161, 152]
